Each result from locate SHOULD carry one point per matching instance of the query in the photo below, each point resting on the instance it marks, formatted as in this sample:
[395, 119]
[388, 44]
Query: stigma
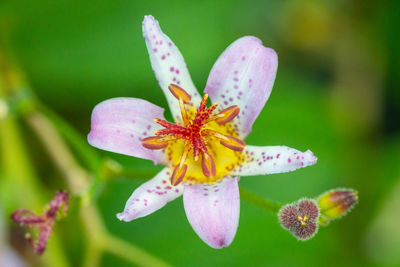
[302, 220]
[197, 134]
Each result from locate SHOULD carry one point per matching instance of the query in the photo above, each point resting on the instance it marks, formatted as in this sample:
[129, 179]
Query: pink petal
[168, 64]
[119, 124]
[243, 75]
[273, 159]
[10, 258]
[150, 196]
[213, 211]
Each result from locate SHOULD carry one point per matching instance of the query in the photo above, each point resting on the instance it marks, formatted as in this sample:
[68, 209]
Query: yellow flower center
[201, 134]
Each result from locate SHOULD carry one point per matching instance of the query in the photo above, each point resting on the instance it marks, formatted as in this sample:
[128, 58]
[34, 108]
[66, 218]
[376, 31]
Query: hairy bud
[300, 218]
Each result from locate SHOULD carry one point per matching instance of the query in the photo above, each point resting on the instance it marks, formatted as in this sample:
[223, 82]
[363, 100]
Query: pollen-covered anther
[154, 142]
[208, 165]
[233, 143]
[178, 174]
[227, 114]
[179, 93]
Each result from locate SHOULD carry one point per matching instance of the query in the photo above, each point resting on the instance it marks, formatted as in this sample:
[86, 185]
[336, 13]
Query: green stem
[19, 185]
[132, 253]
[74, 138]
[258, 201]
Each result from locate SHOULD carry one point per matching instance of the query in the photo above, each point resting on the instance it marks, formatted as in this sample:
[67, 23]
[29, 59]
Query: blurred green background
[336, 93]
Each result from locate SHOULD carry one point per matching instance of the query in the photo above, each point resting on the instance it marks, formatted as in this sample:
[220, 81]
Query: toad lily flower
[203, 150]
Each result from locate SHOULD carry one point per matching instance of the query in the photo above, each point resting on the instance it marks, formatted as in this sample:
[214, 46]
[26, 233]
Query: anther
[154, 142]
[208, 165]
[227, 114]
[179, 93]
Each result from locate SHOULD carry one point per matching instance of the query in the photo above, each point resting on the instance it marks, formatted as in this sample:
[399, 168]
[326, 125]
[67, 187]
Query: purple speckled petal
[213, 211]
[150, 196]
[119, 124]
[243, 75]
[262, 160]
[168, 64]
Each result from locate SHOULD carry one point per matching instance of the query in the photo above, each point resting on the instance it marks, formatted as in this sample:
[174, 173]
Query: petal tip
[250, 38]
[149, 24]
[310, 158]
[148, 18]
[125, 216]
[218, 242]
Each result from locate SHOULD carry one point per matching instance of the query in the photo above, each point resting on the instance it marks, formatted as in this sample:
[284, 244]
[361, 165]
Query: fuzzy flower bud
[336, 203]
[300, 218]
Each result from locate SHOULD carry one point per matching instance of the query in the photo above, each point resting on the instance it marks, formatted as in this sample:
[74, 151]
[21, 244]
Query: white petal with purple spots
[262, 160]
[243, 75]
[168, 64]
[150, 196]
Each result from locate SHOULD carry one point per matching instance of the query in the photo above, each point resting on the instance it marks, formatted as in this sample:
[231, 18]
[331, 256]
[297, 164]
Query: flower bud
[336, 203]
[300, 218]
[43, 222]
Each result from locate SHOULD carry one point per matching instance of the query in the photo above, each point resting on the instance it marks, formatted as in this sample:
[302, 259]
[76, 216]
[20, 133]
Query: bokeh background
[336, 93]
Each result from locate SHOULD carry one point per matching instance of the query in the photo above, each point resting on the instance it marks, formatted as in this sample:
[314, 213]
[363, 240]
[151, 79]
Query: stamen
[208, 165]
[184, 114]
[233, 143]
[227, 114]
[178, 174]
[156, 142]
[230, 142]
[179, 93]
[180, 169]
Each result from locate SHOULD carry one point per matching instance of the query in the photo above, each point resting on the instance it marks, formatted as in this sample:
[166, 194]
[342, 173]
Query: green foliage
[335, 94]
